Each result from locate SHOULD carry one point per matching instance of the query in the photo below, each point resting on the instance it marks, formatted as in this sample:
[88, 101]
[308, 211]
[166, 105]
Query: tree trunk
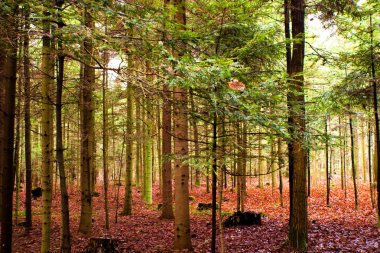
[8, 68]
[47, 69]
[353, 161]
[376, 112]
[280, 166]
[65, 214]
[138, 143]
[196, 137]
[327, 163]
[27, 123]
[148, 154]
[167, 198]
[127, 210]
[105, 134]
[87, 131]
[296, 146]
[182, 238]
[364, 159]
[214, 178]
[370, 164]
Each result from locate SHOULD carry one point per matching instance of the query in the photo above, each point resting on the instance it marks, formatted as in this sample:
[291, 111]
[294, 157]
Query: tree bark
[87, 131]
[376, 112]
[327, 163]
[127, 210]
[8, 68]
[65, 213]
[47, 69]
[27, 123]
[296, 146]
[167, 198]
[182, 238]
[353, 161]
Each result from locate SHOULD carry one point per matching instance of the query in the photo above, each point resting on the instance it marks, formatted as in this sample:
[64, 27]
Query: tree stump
[243, 218]
[102, 245]
[205, 206]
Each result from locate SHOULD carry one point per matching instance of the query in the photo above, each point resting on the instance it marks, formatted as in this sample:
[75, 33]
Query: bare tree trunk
[47, 69]
[65, 214]
[127, 209]
[370, 164]
[8, 68]
[353, 161]
[28, 157]
[376, 112]
[87, 131]
[181, 151]
[297, 152]
[167, 191]
[327, 163]
[280, 166]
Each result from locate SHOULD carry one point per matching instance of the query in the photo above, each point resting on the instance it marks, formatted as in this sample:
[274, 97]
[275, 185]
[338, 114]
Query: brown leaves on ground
[338, 228]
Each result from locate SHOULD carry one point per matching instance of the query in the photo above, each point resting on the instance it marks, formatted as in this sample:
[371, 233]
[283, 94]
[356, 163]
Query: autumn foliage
[334, 228]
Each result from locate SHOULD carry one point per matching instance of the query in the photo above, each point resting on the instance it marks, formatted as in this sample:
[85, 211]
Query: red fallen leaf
[236, 85]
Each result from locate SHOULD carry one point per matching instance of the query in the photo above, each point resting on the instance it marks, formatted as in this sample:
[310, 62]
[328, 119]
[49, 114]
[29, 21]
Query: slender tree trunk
[244, 166]
[8, 68]
[148, 155]
[47, 69]
[370, 164]
[288, 54]
[327, 163]
[344, 159]
[376, 112]
[127, 210]
[364, 159]
[16, 158]
[181, 150]
[238, 164]
[353, 161]
[297, 152]
[214, 179]
[222, 159]
[87, 131]
[167, 198]
[138, 143]
[65, 214]
[341, 154]
[196, 139]
[27, 123]
[105, 131]
[280, 166]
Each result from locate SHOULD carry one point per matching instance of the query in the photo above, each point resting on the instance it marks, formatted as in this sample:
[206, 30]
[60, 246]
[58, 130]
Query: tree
[27, 122]
[129, 147]
[47, 68]
[65, 213]
[8, 68]
[182, 238]
[166, 166]
[296, 145]
[87, 129]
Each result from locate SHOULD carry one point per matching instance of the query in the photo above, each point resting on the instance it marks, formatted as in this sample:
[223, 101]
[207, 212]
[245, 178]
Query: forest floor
[337, 228]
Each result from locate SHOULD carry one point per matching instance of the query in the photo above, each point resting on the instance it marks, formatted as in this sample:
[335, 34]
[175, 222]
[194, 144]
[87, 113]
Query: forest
[189, 126]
